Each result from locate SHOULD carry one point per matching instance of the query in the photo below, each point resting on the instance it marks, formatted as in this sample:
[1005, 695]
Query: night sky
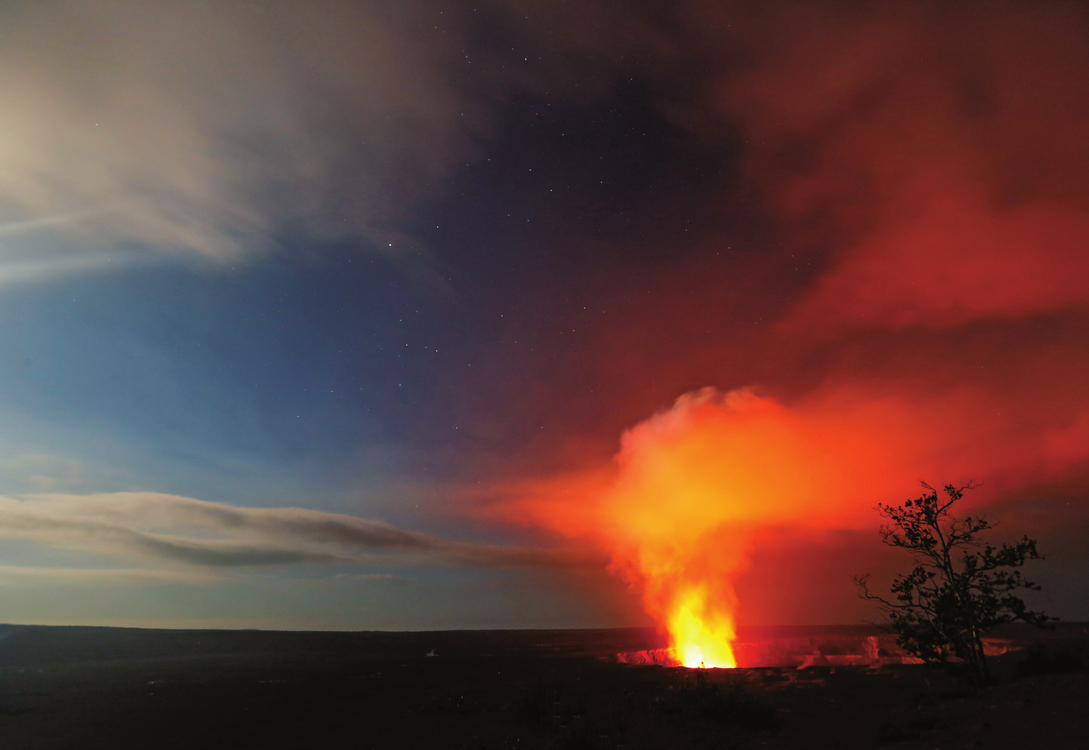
[356, 315]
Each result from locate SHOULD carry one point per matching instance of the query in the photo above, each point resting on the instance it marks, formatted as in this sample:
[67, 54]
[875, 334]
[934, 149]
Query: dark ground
[64, 687]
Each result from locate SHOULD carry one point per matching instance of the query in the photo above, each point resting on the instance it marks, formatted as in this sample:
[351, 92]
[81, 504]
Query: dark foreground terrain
[116, 688]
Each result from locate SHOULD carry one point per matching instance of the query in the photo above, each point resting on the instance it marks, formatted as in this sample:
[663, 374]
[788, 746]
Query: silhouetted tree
[960, 587]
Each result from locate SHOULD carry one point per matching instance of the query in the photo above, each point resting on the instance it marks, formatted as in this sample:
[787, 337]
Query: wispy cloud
[19, 575]
[214, 126]
[174, 529]
[368, 577]
[43, 222]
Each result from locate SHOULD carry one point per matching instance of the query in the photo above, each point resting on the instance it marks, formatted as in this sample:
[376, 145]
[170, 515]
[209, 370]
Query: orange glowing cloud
[694, 488]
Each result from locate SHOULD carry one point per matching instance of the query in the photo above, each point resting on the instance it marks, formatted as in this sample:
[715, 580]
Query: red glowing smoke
[918, 310]
[696, 487]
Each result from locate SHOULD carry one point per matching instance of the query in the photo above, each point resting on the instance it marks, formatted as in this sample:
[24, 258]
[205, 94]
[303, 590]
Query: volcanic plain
[84, 687]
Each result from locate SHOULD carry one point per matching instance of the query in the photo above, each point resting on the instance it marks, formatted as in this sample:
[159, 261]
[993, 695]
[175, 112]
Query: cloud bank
[172, 529]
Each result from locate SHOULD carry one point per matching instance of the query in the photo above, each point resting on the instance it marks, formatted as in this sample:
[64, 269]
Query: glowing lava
[700, 638]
